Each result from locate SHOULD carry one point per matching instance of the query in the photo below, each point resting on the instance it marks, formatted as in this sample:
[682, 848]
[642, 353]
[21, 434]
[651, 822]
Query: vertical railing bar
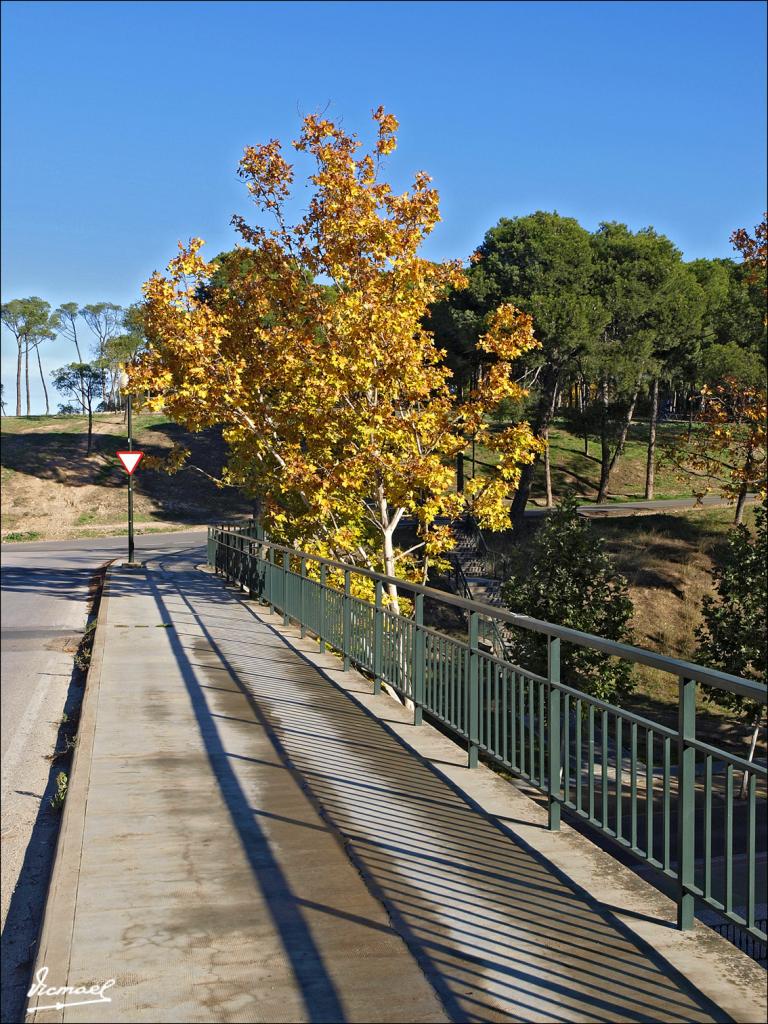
[513, 719]
[666, 800]
[378, 636]
[553, 679]
[323, 607]
[619, 778]
[302, 601]
[649, 794]
[633, 784]
[472, 691]
[567, 747]
[751, 795]
[728, 895]
[578, 744]
[506, 753]
[708, 827]
[604, 772]
[540, 689]
[532, 729]
[417, 675]
[591, 759]
[497, 672]
[285, 573]
[346, 622]
[686, 796]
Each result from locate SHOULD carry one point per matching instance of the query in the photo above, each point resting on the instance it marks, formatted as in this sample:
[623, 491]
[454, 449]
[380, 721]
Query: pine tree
[572, 582]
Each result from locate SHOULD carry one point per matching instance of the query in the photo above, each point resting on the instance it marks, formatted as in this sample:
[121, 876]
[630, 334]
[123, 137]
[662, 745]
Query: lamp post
[123, 385]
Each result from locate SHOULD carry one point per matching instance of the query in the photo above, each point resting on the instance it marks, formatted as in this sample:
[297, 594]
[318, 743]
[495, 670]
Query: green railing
[659, 793]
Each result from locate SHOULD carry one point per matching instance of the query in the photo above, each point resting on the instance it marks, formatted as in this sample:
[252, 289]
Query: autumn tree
[313, 355]
[732, 636]
[728, 449]
[754, 251]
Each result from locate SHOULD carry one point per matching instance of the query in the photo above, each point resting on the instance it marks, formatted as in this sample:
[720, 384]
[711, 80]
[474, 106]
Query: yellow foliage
[335, 400]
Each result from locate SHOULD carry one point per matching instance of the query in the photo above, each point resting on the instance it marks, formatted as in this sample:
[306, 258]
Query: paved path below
[256, 847]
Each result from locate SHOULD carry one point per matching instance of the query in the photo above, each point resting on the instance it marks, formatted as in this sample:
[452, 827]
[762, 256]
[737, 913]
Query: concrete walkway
[248, 838]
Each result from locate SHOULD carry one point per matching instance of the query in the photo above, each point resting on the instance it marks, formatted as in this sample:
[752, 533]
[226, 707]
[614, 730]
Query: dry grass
[53, 488]
[667, 560]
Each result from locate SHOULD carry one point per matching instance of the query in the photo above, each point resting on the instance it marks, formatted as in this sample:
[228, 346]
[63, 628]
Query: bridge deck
[244, 841]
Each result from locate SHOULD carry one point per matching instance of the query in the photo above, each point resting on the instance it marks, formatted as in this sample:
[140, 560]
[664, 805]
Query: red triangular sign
[130, 460]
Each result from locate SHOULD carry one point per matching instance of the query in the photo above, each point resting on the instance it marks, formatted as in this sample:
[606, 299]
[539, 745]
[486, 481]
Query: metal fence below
[661, 794]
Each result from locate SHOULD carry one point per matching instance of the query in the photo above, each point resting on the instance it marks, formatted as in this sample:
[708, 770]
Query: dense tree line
[624, 324]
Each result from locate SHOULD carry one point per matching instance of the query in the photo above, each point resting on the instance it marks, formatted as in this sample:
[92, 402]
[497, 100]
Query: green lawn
[573, 471]
[73, 424]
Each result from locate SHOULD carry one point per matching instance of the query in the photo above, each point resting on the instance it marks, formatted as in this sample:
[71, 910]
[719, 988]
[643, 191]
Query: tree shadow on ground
[187, 496]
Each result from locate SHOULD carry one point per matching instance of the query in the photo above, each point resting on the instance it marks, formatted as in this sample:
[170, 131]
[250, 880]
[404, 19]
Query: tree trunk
[605, 447]
[752, 746]
[741, 501]
[90, 427]
[650, 468]
[605, 473]
[18, 381]
[26, 375]
[42, 379]
[544, 415]
[547, 471]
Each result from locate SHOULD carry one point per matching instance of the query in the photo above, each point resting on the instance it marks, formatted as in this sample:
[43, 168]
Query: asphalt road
[44, 610]
[45, 596]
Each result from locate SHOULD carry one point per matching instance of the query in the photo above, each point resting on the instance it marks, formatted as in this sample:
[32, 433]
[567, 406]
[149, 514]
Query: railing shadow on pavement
[497, 930]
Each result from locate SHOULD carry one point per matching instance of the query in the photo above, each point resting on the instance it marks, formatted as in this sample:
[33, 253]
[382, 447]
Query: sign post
[130, 460]
[130, 483]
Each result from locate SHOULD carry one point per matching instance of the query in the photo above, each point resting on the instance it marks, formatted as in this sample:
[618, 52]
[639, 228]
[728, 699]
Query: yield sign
[130, 460]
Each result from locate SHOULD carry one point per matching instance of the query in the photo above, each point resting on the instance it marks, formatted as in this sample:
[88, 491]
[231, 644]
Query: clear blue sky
[123, 122]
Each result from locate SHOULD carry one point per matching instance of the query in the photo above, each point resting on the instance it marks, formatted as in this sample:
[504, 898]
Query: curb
[54, 946]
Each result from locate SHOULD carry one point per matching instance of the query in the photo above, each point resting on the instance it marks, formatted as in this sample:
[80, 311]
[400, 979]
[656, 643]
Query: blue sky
[123, 122]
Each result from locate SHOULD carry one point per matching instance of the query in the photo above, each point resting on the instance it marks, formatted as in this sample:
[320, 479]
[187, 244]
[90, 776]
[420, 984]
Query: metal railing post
[553, 732]
[323, 602]
[686, 801]
[302, 588]
[417, 674]
[346, 640]
[473, 692]
[270, 580]
[286, 574]
[378, 636]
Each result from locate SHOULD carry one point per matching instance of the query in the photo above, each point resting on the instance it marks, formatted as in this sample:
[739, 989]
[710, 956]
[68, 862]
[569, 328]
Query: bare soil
[53, 489]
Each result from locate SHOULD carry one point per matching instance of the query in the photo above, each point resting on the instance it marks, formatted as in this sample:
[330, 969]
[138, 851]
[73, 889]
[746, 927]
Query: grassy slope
[667, 559]
[52, 489]
[573, 471]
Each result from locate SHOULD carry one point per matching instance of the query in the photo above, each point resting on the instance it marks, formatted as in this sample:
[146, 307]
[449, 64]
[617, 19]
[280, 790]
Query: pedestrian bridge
[254, 832]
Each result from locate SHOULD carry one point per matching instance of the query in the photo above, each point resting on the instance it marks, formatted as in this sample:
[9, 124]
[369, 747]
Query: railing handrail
[674, 666]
